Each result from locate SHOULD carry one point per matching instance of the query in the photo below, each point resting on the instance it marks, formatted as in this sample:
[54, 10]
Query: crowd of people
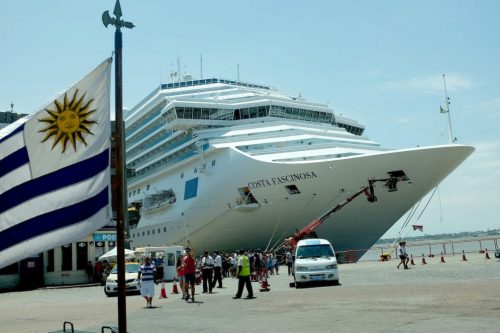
[209, 270]
[97, 273]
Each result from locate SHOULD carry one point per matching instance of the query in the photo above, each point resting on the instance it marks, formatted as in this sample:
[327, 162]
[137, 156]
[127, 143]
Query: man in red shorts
[189, 267]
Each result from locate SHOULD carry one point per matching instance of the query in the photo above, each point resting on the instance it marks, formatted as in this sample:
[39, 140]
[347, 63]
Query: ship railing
[428, 248]
[155, 168]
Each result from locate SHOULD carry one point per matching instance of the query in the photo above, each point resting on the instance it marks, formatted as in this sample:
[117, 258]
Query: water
[435, 247]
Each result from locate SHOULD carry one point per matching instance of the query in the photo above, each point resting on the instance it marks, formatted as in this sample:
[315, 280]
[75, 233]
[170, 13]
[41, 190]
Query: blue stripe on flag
[59, 179]
[14, 132]
[13, 161]
[54, 220]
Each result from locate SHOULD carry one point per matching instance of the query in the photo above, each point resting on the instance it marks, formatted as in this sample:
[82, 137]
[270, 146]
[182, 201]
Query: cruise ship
[224, 164]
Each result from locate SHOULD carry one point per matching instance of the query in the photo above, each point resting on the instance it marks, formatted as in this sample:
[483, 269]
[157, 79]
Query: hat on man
[242, 251]
[188, 249]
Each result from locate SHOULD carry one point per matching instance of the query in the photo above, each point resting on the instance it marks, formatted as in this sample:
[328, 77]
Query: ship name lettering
[281, 179]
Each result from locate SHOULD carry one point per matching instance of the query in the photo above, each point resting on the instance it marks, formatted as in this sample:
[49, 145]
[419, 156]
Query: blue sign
[104, 237]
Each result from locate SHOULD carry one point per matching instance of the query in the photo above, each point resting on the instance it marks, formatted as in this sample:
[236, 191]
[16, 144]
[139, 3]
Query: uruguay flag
[54, 170]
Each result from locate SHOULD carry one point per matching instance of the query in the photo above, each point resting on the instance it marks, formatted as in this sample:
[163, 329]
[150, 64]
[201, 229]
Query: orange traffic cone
[423, 260]
[163, 293]
[487, 256]
[463, 256]
[411, 260]
[264, 286]
[174, 288]
[442, 258]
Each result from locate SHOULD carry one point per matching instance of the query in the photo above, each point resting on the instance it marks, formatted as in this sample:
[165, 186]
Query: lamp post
[119, 163]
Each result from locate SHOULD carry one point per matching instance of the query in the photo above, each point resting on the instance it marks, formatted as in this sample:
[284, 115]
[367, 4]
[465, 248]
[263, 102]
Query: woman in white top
[403, 256]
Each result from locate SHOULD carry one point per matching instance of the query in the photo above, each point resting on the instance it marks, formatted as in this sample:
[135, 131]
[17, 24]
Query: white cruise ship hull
[214, 219]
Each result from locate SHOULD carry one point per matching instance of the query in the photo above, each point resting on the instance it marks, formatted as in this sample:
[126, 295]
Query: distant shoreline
[462, 236]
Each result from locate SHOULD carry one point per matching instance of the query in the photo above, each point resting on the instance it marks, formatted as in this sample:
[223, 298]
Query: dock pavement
[454, 296]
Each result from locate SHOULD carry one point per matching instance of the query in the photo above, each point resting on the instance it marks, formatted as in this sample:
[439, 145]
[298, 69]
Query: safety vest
[245, 266]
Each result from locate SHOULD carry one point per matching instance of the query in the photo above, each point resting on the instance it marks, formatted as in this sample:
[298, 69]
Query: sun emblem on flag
[68, 121]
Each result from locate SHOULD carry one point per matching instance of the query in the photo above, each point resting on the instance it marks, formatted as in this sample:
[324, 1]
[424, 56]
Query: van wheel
[335, 282]
[298, 285]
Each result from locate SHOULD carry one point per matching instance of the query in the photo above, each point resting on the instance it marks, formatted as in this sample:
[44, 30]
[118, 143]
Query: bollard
[487, 256]
[423, 260]
[442, 258]
[463, 256]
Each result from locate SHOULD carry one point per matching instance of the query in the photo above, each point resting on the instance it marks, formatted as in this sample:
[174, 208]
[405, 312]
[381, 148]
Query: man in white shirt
[217, 270]
[207, 268]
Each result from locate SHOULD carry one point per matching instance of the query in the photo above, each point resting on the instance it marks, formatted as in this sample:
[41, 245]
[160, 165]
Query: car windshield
[129, 268]
[315, 251]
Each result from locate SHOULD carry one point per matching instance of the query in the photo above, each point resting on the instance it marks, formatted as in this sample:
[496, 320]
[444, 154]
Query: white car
[315, 261]
[132, 283]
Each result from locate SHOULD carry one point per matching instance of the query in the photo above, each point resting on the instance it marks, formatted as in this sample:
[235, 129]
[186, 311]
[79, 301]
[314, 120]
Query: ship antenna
[201, 66]
[238, 71]
[178, 69]
[447, 111]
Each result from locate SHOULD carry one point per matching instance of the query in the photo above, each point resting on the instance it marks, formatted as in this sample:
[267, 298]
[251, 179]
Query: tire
[107, 294]
[298, 285]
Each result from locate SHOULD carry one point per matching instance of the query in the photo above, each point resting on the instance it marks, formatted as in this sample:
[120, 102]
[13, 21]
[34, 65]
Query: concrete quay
[455, 296]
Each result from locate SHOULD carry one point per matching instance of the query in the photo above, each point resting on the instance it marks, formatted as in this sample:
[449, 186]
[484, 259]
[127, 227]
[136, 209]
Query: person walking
[180, 273]
[217, 270]
[289, 261]
[243, 275]
[207, 270]
[189, 266]
[89, 270]
[146, 275]
[403, 255]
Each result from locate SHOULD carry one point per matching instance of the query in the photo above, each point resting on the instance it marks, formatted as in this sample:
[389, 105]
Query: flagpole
[119, 163]
[450, 131]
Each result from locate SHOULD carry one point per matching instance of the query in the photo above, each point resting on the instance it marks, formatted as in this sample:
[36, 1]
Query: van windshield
[314, 251]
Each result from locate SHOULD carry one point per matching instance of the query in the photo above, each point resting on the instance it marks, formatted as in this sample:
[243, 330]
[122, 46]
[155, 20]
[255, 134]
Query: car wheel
[298, 285]
[106, 292]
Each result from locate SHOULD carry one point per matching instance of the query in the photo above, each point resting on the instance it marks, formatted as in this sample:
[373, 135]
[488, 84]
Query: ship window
[292, 189]
[195, 170]
[213, 162]
[147, 188]
[182, 175]
[138, 190]
[147, 232]
[164, 229]
[143, 233]
[159, 230]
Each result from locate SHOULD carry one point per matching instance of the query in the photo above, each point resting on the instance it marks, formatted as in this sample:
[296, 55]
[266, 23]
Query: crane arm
[292, 241]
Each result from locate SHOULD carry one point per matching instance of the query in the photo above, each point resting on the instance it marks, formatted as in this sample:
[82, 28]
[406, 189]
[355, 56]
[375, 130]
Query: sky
[379, 62]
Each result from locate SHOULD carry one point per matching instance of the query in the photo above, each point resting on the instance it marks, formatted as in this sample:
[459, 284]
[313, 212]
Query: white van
[315, 262]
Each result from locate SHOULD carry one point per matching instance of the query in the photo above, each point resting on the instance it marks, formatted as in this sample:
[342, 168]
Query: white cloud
[431, 84]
